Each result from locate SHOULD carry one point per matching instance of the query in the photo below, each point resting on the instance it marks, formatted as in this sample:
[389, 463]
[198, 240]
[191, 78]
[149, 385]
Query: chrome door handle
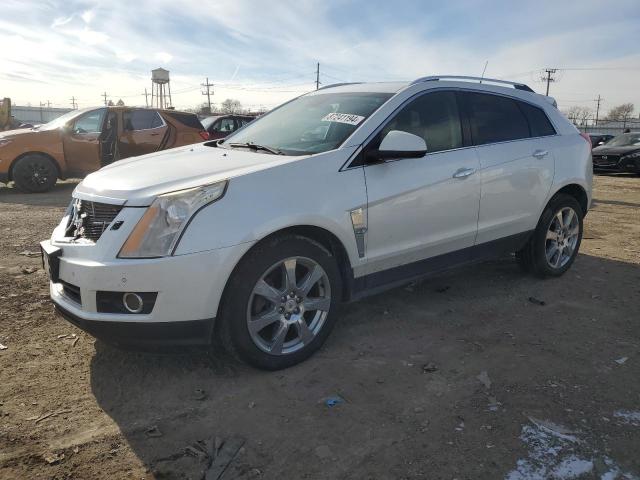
[540, 154]
[464, 172]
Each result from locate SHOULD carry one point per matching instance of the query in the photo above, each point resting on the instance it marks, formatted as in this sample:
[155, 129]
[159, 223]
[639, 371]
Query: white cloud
[164, 57]
[88, 16]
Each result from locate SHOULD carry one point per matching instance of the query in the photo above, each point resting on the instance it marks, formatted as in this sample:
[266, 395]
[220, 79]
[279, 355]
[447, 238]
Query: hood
[19, 133]
[607, 150]
[137, 181]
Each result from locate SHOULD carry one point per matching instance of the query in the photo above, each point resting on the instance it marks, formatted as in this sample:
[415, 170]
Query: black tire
[232, 325]
[533, 256]
[34, 173]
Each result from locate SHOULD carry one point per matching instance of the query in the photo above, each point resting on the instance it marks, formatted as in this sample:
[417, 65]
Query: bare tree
[621, 112]
[120, 103]
[231, 106]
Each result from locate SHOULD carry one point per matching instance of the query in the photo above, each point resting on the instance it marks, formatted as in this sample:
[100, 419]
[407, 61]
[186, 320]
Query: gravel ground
[466, 376]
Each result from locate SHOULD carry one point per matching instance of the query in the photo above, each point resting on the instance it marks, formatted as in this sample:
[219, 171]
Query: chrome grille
[91, 219]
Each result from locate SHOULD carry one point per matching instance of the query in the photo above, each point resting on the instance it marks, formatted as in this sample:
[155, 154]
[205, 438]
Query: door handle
[464, 172]
[539, 154]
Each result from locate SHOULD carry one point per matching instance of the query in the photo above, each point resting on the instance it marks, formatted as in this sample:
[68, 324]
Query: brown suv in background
[82, 141]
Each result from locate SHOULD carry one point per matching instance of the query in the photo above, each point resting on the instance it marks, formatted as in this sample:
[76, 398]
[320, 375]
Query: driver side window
[90, 122]
[434, 117]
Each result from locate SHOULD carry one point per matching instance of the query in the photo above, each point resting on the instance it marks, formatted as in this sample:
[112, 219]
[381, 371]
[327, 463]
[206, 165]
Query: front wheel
[554, 244]
[35, 173]
[279, 305]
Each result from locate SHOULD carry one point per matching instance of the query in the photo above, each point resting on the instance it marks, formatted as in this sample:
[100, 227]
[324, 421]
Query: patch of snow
[553, 454]
[572, 467]
[628, 417]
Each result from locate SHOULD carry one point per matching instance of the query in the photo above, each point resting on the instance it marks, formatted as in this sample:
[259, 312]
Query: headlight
[159, 229]
[4, 142]
[632, 155]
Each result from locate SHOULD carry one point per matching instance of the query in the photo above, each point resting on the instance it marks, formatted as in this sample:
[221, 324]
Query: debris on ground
[228, 451]
[29, 253]
[3, 347]
[493, 404]
[75, 340]
[429, 367]
[29, 270]
[54, 458]
[199, 394]
[153, 431]
[484, 379]
[51, 414]
[621, 360]
[537, 301]
[252, 404]
[333, 401]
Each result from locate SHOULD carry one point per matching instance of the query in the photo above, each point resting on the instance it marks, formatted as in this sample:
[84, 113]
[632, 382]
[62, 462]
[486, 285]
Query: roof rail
[435, 78]
[338, 85]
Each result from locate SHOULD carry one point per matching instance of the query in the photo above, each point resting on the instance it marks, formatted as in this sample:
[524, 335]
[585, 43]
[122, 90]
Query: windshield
[625, 140]
[60, 121]
[310, 124]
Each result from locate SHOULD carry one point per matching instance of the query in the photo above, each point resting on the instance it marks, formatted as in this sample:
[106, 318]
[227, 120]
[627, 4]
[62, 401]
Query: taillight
[587, 138]
[204, 134]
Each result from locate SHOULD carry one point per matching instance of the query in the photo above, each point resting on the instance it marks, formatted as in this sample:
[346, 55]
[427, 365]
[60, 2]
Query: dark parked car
[598, 139]
[219, 126]
[622, 154]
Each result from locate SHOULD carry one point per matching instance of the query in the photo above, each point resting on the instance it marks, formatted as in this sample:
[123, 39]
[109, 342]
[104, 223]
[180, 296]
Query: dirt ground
[463, 376]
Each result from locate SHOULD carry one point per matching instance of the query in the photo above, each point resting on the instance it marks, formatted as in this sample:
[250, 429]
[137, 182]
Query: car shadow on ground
[58, 196]
[403, 366]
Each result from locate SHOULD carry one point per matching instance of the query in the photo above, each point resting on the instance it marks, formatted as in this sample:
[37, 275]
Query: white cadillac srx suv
[351, 189]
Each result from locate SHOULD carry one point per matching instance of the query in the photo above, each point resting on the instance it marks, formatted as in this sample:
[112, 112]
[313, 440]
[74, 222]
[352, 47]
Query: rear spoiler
[551, 100]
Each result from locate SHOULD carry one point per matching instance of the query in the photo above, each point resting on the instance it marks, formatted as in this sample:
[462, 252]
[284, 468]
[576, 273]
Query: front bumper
[189, 332]
[622, 165]
[189, 288]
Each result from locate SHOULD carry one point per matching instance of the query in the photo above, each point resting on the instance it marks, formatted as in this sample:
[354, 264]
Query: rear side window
[187, 119]
[141, 120]
[495, 119]
[538, 121]
[434, 117]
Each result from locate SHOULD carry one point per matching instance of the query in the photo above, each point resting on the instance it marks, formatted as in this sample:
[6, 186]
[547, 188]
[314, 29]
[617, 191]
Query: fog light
[132, 302]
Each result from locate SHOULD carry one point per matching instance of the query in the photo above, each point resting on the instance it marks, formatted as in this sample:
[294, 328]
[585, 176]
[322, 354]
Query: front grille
[71, 292]
[606, 160]
[91, 219]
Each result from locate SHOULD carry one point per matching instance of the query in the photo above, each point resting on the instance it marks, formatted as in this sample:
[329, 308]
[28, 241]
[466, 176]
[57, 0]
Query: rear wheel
[35, 173]
[279, 305]
[555, 243]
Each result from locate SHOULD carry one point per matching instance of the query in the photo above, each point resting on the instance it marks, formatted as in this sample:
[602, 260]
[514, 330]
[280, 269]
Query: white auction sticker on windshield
[348, 118]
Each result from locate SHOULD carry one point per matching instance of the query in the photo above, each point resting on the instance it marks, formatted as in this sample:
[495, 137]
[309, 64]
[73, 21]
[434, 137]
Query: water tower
[160, 88]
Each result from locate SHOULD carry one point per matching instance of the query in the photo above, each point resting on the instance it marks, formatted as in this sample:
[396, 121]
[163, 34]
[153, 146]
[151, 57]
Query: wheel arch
[578, 192]
[326, 239]
[22, 155]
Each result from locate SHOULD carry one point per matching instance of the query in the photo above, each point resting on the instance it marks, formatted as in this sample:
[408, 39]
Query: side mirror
[398, 144]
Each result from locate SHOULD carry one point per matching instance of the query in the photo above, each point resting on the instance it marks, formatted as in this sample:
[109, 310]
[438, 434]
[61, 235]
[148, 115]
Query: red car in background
[219, 126]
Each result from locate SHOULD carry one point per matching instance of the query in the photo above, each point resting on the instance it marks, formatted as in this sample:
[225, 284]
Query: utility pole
[74, 105]
[41, 114]
[598, 109]
[105, 99]
[48, 104]
[318, 76]
[549, 78]
[146, 98]
[207, 85]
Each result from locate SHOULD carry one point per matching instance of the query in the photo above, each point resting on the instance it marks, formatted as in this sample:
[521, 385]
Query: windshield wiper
[256, 147]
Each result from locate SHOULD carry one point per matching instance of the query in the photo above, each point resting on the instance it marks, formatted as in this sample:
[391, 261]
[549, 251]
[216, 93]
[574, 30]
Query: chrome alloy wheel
[288, 305]
[562, 237]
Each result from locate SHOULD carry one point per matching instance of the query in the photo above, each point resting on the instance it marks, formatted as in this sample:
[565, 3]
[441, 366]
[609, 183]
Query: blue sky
[264, 52]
